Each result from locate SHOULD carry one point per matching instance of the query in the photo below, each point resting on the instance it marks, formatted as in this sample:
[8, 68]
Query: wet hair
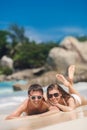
[35, 87]
[56, 86]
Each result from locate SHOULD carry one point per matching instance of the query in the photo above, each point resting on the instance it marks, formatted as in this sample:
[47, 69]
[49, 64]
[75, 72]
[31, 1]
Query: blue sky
[45, 20]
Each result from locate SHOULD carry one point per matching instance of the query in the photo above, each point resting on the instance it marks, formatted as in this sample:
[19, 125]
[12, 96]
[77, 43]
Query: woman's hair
[35, 87]
[56, 86]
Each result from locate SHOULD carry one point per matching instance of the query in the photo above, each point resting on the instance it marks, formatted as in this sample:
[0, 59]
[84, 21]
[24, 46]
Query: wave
[10, 102]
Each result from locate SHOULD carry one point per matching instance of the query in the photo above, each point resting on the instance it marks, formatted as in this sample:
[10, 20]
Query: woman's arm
[70, 107]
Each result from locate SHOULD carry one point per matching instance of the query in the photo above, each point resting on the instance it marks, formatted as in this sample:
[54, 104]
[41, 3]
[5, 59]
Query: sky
[45, 20]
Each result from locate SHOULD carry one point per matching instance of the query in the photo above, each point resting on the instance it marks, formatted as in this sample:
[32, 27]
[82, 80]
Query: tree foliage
[82, 38]
[17, 34]
[3, 43]
[32, 55]
[25, 53]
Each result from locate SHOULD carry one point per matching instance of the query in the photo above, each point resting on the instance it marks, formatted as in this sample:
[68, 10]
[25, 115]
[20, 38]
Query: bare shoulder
[71, 99]
[26, 100]
[71, 102]
[24, 104]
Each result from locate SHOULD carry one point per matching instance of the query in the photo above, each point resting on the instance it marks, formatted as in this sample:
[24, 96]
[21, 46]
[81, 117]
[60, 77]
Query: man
[34, 104]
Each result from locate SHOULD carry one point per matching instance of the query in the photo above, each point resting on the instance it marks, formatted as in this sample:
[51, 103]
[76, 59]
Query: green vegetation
[5, 70]
[4, 43]
[82, 38]
[25, 53]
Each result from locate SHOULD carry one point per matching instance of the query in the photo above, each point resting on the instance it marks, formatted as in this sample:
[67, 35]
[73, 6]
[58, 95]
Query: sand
[79, 124]
[76, 119]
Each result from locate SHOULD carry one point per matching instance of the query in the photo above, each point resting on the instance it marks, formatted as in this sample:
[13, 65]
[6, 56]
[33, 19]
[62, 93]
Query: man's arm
[18, 111]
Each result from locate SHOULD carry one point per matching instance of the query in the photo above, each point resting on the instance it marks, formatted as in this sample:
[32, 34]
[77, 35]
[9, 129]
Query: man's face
[36, 98]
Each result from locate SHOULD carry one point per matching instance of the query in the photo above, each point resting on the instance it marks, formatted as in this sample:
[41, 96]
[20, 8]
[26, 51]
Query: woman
[79, 99]
[58, 97]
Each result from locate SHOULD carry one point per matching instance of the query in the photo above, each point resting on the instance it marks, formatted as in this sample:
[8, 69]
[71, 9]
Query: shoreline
[45, 121]
[50, 120]
[79, 124]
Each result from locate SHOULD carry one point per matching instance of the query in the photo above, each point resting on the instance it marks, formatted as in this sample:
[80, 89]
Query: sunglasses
[34, 97]
[54, 94]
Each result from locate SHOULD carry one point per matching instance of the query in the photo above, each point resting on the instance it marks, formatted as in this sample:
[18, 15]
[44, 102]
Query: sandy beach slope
[78, 124]
[76, 119]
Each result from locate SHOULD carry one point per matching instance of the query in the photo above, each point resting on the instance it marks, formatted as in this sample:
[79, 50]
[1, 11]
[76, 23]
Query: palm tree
[17, 36]
[4, 45]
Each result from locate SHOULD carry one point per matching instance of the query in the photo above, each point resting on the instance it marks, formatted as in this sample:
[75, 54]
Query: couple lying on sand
[57, 97]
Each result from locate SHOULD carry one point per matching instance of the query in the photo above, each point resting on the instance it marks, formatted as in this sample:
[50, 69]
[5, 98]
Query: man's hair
[35, 87]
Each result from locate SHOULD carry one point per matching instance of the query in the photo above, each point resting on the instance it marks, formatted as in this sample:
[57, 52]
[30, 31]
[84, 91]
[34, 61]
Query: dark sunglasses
[54, 94]
[34, 97]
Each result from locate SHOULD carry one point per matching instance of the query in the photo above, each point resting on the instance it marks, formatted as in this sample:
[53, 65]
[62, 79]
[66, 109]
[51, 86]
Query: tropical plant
[4, 46]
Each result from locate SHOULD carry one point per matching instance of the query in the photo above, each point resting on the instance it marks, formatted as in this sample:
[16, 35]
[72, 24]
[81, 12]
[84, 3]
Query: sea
[10, 99]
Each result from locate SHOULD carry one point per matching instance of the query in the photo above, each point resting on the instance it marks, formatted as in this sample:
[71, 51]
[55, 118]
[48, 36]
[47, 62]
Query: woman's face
[54, 96]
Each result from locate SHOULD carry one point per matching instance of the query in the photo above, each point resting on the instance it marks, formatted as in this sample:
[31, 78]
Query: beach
[75, 119]
[52, 120]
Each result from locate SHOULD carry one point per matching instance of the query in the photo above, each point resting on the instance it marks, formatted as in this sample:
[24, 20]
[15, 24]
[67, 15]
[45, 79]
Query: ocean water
[10, 99]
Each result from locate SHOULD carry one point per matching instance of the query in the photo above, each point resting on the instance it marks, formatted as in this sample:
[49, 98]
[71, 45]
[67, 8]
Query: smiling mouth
[55, 101]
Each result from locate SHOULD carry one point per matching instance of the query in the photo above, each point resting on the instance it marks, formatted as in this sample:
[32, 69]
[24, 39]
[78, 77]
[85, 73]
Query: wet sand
[79, 124]
[76, 119]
